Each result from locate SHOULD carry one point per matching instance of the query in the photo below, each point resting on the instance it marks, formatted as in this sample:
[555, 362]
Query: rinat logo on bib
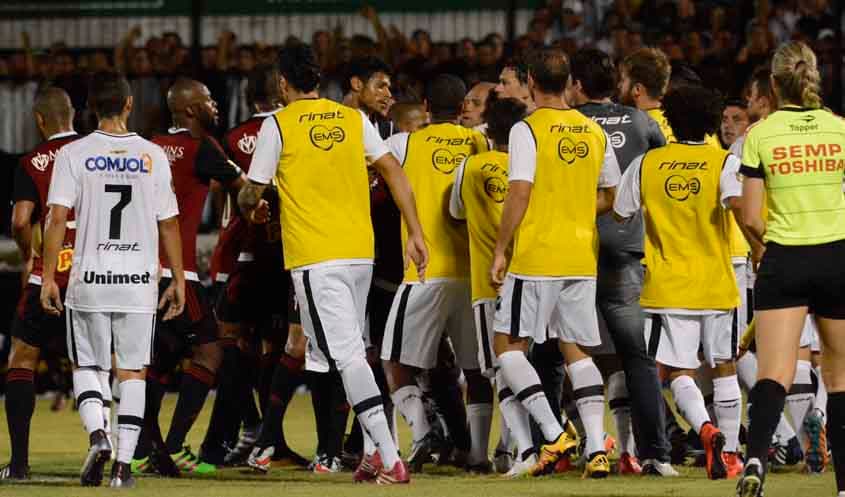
[445, 161]
[325, 138]
[136, 165]
[680, 188]
[496, 189]
[569, 150]
[247, 144]
[109, 278]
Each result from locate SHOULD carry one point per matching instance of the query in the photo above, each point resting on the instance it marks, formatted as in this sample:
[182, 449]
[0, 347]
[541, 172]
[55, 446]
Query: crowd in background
[723, 41]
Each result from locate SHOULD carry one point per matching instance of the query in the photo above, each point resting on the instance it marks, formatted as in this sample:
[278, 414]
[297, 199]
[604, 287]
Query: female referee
[795, 159]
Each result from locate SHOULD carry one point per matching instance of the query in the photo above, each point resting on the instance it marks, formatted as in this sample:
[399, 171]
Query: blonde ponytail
[796, 75]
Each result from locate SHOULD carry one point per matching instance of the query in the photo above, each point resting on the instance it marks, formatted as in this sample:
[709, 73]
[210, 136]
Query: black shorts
[35, 327]
[256, 296]
[379, 302]
[798, 276]
[196, 325]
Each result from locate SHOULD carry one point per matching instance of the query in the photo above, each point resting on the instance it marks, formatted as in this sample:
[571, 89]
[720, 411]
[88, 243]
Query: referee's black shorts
[806, 275]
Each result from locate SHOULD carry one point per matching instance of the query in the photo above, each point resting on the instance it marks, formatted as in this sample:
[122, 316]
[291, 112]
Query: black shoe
[678, 440]
[99, 453]
[421, 453]
[162, 462]
[9, 472]
[751, 483]
[121, 476]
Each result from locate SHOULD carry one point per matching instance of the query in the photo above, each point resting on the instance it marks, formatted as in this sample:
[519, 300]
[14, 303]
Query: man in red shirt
[195, 160]
[33, 329]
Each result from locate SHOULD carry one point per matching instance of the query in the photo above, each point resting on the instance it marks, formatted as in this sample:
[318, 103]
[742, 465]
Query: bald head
[191, 105]
[474, 104]
[53, 104]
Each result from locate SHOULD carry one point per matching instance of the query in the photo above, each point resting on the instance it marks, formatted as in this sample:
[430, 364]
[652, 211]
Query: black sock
[767, 399]
[20, 404]
[196, 382]
[156, 388]
[354, 443]
[250, 415]
[266, 376]
[226, 414]
[449, 401]
[286, 378]
[836, 435]
[338, 417]
[321, 402]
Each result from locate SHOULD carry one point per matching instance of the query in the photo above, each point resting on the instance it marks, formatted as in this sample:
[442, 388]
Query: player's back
[687, 252]
[433, 154]
[632, 133]
[558, 236]
[119, 190]
[32, 183]
[483, 188]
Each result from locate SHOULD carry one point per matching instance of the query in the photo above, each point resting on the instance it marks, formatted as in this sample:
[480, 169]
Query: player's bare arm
[54, 233]
[400, 189]
[757, 248]
[22, 231]
[751, 219]
[516, 203]
[604, 200]
[173, 298]
[251, 204]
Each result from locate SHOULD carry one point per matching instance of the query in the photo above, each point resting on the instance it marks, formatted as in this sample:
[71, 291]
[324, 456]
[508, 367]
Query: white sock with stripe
[801, 397]
[408, 400]
[363, 395]
[521, 377]
[130, 418]
[89, 398]
[515, 416]
[727, 403]
[620, 406]
[690, 402]
[588, 390]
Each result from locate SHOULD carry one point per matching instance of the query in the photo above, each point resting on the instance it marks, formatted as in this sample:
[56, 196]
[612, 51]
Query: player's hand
[261, 213]
[757, 255]
[416, 252]
[497, 271]
[173, 300]
[51, 299]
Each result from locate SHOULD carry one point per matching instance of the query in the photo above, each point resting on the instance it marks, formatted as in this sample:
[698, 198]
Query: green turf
[58, 445]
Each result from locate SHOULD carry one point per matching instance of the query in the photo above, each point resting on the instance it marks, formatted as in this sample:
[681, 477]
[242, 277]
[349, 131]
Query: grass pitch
[59, 444]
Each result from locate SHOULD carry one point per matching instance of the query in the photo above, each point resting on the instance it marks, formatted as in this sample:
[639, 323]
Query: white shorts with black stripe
[810, 334]
[484, 311]
[563, 309]
[92, 336]
[421, 313]
[745, 283]
[332, 301]
[680, 340]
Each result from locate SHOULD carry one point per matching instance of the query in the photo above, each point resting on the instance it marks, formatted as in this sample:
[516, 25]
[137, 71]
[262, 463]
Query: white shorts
[810, 334]
[563, 309]
[332, 302]
[484, 312]
[676, 340]
[92, 336]
[420, 314]
[745, 284]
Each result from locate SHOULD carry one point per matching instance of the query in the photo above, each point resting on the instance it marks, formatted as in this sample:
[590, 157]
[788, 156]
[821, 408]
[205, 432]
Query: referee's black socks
[767, 399]
[836, 435]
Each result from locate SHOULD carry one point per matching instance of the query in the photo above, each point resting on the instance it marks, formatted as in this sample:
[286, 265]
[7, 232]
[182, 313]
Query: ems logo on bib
[568, 150]
[679, 188]
[445, 161]
[324, 138]
[496, 189]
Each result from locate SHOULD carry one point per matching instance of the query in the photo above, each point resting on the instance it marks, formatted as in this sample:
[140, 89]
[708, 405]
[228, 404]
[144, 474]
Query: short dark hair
[683, 74]
[107, 94]
[736, 102]
[650, 68]
[762, 77]
[596, 72]
[298, 65]
[262, 85]
[550, 71]
[500, 116]
[520, 69]
[693, 111]
[363, 68]
[446, 95]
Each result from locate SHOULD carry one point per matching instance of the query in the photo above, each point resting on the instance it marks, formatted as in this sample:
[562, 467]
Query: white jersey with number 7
[120, 187]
